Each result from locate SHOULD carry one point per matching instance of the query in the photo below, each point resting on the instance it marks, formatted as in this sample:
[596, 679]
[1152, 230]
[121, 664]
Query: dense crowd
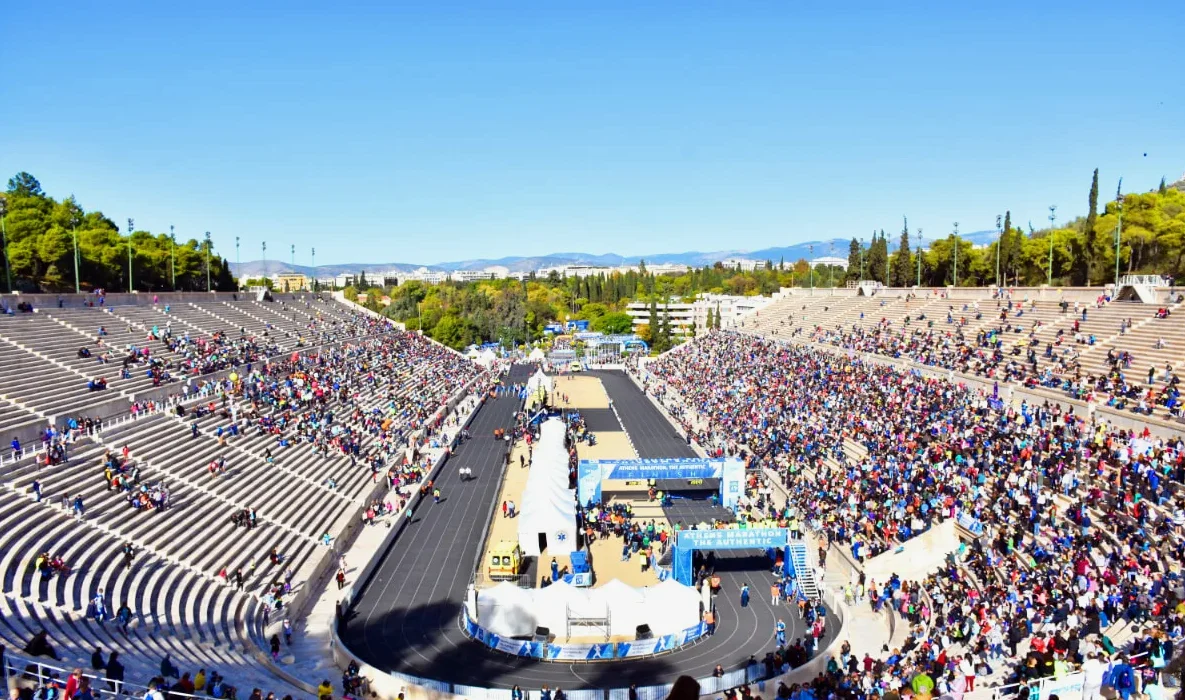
[1012, 347]
[1082, 526]
[377, 402]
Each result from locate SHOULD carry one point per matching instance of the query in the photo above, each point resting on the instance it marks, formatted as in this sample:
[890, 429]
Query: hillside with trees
[47, 238]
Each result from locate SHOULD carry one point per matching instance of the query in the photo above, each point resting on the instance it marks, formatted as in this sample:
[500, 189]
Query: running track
[406, 618]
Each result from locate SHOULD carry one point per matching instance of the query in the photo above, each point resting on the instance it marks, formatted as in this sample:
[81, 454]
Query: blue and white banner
[666, 642]
[568, 652]
[641, 647]
[600, 652]
[758, 538]
[970, 524]
[693, 633]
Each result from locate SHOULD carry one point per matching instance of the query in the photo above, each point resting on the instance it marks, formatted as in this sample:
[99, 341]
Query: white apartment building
[742, 264]
[665, 268]
[732, 310]
[470, 275]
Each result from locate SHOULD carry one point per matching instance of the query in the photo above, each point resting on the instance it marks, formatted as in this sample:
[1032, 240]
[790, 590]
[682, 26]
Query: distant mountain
[517, 263]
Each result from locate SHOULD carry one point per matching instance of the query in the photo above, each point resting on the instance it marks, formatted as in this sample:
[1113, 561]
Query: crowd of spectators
[1010, 348]
[1082, 522]
[377, 401]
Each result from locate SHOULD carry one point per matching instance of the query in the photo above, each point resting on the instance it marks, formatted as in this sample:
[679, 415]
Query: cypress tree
[1091, 239]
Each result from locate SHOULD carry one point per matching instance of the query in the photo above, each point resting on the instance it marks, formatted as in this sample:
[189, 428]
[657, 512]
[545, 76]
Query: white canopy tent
[548, 513]
[486, 358]
[670, 607]
[627, 603]
[539, 379]
[551, 605]
[506, 610]
[537, 355]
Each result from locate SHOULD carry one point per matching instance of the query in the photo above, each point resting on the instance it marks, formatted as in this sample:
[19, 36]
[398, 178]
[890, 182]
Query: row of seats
[1041, 342]
[179, 603]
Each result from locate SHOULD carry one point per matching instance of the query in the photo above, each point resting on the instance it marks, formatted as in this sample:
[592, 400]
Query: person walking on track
[745, 596]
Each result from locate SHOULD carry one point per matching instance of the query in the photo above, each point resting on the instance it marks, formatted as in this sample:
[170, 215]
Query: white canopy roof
[551, 604]
[506, 610]
[539, 379]
[537, 355]
[486, 357]
[548, 505]
[671, 607]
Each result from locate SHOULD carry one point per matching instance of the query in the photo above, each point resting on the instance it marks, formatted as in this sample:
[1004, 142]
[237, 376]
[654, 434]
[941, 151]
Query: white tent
[486, 358]
[539, 379]
[551, 605]
[537, 355]
[548, 512]
[506, 610]
[670, 607]
[626, 602]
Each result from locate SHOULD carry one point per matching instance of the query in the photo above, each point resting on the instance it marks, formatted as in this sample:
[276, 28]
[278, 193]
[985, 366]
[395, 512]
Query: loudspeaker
[542, 634]
[643, 632]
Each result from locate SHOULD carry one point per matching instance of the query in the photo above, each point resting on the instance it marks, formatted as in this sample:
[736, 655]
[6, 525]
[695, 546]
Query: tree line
[1144, 231]
[46, 241]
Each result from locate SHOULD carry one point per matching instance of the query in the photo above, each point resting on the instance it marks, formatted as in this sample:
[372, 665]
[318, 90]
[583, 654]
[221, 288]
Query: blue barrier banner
[693, 633]
[600, 651]
[514, 646]
[760, 538]
[666, 643]
[641, 647]
[970, 524]
[569, 652]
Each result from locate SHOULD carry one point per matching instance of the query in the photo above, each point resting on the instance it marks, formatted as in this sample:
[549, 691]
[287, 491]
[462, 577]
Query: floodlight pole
[208, 288]
[131, 281]
[999, 244]
[956, 284]
[1052, 219]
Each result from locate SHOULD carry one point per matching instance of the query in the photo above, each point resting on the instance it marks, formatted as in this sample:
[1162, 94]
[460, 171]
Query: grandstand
[1072, 344]
[865, 401]
[325, 403]
[303, 412]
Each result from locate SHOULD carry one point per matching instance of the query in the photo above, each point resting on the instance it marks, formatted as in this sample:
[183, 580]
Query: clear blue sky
[440, 131]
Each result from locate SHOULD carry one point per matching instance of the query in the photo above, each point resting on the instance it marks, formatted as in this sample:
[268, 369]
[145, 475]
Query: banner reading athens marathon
[761, 538]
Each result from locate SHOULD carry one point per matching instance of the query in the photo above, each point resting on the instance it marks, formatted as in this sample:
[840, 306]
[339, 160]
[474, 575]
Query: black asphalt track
[406, 619]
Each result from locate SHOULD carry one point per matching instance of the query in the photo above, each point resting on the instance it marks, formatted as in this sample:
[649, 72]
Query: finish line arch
[592, 473]
[768, 539]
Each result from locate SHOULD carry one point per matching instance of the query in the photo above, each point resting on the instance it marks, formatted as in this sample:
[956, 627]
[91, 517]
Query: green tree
[902, 264]
[616, 322]
[1086, 253]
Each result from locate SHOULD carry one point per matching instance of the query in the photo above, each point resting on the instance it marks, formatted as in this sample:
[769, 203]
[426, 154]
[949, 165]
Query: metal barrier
[23, 670]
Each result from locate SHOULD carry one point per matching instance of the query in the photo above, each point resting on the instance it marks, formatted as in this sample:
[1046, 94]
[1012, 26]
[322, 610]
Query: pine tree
[653, 322]
[717, 315]
[708, 323]
[853, 272]
[1163, 188]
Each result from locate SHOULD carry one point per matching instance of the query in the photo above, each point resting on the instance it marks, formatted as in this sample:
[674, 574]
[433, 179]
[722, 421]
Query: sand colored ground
[582, 391]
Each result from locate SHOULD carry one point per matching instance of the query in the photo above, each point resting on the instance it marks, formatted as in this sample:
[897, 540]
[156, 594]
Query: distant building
[731, 309]
[830, 261]
[667, 269]
[742, 264]
[289, 282]
[470, 275]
